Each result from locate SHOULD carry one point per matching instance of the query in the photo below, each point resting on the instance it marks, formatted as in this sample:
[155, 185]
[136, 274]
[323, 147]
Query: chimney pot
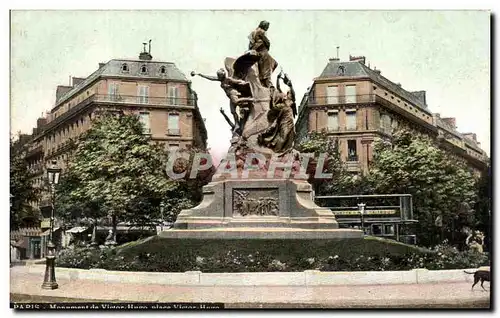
[361, 59]
[451, 121]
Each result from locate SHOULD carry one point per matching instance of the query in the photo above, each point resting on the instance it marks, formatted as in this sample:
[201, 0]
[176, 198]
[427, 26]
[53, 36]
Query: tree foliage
[319, 144]
[483, 205]
[116, 170]
[21, 188]
[441, 186]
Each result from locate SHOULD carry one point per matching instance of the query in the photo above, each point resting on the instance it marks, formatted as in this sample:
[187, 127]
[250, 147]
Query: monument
[260, 190]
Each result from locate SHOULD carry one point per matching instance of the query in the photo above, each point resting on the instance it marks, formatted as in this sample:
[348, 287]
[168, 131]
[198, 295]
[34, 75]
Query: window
[376, 229]
[144, 69]
[173, 95]
[124, 68]
[385, 122]
[333, 121]
[113, 91]
[173, 124]
[163, 70]
[332, 95]
[388, 229]
[144, 119]
[394, 123]
[351, 119]
[312, 96]
[350, 94]
[143, 93]
[352, 154]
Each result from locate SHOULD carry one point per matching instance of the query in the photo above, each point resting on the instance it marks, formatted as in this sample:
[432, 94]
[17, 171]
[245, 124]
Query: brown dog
[480, 275]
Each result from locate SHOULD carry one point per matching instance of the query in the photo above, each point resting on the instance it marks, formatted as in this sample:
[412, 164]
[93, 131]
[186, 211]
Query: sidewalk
[407, 295]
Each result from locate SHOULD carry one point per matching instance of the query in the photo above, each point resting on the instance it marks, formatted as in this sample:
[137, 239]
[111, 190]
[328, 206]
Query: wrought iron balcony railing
[121, 99]
[340, 99]
[175, 132]
[147, 100]
[352, 158]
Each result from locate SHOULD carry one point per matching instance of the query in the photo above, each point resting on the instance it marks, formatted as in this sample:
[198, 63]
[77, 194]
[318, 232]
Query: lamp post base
[50, 285]
[49, 281]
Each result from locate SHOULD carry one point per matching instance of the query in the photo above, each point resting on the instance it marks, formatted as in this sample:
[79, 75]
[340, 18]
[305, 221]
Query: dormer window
[163, 70]
[144, 69]
[125, 68]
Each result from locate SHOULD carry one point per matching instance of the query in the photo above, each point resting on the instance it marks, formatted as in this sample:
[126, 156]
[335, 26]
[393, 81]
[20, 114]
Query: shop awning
[77, 229]
[46, 233]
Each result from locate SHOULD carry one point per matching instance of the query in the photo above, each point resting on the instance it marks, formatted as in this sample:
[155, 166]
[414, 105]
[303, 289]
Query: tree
[442, 187]
[319, 144]
[483, 205]
[72, 208]
[116, 167]
[22, 191]
[342, 182]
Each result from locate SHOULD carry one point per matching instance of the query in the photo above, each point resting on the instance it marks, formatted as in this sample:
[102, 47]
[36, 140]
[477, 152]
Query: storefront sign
[45, 223]
[367, 212]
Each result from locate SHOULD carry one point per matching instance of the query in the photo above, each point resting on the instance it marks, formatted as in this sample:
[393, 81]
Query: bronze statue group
[278, 133]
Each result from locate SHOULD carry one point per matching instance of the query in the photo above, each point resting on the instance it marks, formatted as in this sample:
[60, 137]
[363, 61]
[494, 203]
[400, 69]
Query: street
[445, 295]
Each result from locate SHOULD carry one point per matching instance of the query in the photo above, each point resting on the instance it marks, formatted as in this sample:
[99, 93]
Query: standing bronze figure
[261, 45]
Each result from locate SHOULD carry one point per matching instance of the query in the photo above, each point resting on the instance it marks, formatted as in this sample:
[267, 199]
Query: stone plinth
[257, 203]
[262, 208]
[261, 233]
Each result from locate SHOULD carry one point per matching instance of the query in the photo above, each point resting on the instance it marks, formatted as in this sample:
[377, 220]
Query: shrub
[232, 260]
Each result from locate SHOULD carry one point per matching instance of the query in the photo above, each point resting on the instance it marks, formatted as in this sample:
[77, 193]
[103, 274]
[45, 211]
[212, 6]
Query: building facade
[158, 92]
[356, 104]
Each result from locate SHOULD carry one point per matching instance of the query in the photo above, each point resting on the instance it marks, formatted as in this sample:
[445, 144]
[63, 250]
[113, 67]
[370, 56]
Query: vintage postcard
[249, 159]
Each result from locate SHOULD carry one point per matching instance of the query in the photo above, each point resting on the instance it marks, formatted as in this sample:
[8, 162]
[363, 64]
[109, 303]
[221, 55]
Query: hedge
[157, 254]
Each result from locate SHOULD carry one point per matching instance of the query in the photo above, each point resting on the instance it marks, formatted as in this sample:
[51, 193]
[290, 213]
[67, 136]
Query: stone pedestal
[259, 208]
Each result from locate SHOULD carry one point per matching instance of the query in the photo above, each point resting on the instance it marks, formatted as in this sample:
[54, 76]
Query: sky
[445, 53]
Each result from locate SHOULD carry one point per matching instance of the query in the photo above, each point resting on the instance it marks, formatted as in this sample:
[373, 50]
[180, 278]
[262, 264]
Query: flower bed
[156, 256]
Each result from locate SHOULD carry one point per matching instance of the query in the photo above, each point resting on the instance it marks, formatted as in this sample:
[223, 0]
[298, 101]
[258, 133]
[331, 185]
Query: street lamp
[162, 208]
[93, 239]
[49, 282]
[361, 207]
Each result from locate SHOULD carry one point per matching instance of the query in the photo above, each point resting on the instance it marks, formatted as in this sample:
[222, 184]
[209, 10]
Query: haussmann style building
[157, 91]
[356, 104]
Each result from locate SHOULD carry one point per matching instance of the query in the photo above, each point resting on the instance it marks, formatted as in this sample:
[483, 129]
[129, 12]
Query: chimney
[471, 136]
[398, 84]
[101, 65]
[450, 121]
[361, 59]
[61, 90]
[145, 55]
[40, 122]
[77, 80]
[376, 71]
[420, 95]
